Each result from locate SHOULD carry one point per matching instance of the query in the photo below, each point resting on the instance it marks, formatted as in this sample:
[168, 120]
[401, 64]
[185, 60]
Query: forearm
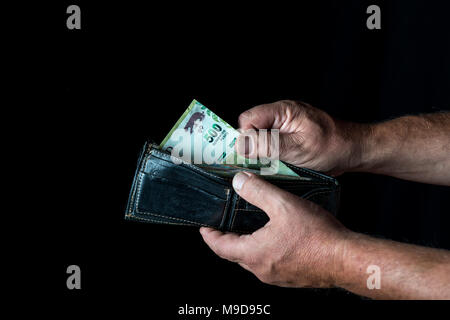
[412, 147]
[406, 271]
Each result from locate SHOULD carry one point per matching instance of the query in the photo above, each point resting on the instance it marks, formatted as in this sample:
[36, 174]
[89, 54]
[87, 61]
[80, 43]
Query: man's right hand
[308, 136]
[414, 148]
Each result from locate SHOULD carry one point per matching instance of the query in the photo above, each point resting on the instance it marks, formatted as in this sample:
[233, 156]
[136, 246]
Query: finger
[243, 265]
[247, 144]
[229, 246]
[264, 144]
[265, 116]
[260, 193]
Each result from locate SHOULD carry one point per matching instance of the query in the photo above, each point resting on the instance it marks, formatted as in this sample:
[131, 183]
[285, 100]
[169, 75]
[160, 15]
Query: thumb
[264, 144]
[259, 192]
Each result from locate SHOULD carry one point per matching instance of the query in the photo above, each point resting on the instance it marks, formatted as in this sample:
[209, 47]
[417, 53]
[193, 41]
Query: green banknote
[202, 137]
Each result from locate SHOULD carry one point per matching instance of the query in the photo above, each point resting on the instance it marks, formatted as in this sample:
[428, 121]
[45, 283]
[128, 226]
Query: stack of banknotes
[203, 138]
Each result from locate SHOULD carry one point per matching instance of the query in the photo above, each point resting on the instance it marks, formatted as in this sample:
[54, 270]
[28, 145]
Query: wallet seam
[225, 209]
[158, 221]
[134, 196]
[173, 218]
[235, 213]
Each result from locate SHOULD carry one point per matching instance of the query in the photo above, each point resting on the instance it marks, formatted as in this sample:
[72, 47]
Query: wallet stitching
[173, 218]
[232, 224]
[133, 203]
[158, 221]
[171, 223]
[225, 208]
[234, 216]
[139, 188]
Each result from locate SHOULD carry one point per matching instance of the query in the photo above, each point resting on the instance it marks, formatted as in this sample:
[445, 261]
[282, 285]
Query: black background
[132, 70]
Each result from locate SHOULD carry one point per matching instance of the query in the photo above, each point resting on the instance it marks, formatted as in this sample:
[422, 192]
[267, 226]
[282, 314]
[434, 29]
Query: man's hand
[308, 136]
[301, 245]
[412, 147]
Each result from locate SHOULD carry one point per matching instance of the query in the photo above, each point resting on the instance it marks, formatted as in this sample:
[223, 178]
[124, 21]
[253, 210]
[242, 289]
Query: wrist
[354, 145]
[376, 147]
[342, 275]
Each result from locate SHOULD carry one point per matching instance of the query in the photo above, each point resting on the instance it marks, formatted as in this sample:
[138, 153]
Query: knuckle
[263, 278]
[285, 144]
[218, 249]
[295, 107]
[288, 102]
[266, 275]
[245, 116]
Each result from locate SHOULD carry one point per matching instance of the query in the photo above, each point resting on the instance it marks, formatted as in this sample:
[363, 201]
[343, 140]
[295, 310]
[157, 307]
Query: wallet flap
[165, 192]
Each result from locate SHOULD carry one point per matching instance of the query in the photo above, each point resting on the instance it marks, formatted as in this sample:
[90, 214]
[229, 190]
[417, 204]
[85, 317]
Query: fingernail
[238, 180]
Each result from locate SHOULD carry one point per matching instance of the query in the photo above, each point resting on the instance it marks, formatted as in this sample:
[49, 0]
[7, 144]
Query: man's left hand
[301, 246]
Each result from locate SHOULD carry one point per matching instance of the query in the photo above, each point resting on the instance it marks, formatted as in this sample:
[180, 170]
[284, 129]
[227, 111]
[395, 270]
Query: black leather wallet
[186, 194]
